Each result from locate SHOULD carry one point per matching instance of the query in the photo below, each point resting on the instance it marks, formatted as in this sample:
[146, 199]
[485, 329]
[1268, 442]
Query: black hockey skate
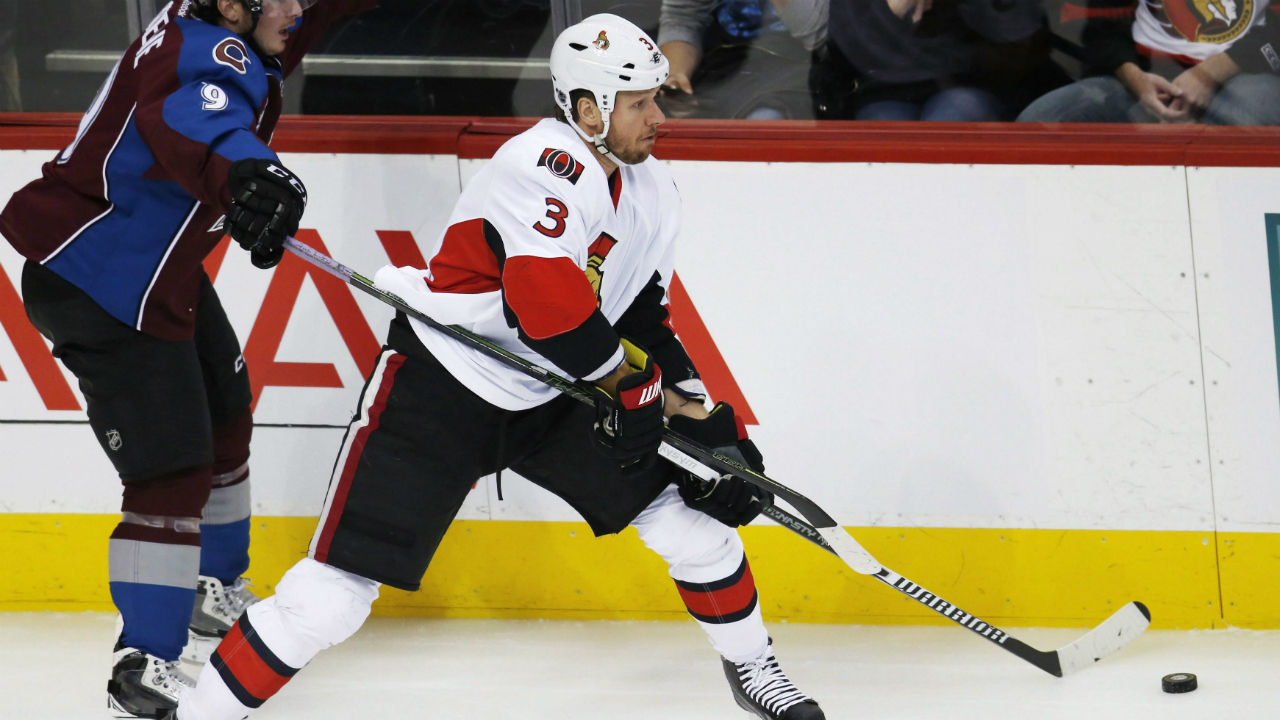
[144, 686]
[762, 690]
[216, 609]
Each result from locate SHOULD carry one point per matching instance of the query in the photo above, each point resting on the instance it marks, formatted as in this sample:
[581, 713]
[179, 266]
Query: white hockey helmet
[604, 54]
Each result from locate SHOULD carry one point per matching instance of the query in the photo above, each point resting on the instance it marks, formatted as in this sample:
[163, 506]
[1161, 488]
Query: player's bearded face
[633, 126]
[278, 18]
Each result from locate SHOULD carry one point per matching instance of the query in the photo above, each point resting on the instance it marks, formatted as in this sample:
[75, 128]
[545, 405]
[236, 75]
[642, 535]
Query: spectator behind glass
[1209, 61]
[969, 60]
[742, 54]
[10, 97]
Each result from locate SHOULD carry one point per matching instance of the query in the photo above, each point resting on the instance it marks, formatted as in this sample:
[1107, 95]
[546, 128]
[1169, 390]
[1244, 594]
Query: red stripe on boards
[353, 457]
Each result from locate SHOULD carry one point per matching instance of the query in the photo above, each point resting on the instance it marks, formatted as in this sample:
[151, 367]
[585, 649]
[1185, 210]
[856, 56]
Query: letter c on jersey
[232, 53]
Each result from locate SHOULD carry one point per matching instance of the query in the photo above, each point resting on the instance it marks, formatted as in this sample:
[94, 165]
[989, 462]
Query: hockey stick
[1114, 633]
[821, 529]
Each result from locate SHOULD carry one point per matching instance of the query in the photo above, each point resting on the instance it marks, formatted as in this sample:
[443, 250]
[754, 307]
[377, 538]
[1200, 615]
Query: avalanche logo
[231, 52]
[561, 164]
[599, 250]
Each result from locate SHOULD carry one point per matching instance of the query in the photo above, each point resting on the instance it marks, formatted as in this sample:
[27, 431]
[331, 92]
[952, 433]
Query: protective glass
[285, 8]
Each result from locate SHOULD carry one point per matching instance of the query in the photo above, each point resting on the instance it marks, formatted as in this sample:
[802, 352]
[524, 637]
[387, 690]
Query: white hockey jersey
[1193, 30]
[544, 255]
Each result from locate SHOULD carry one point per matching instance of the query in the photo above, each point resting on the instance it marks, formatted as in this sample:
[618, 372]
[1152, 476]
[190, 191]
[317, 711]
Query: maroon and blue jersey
[131, 208]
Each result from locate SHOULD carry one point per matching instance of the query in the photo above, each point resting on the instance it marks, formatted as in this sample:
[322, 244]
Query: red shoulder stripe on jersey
[615, 187]
[465, 264]
[722, 601]
[549, 296]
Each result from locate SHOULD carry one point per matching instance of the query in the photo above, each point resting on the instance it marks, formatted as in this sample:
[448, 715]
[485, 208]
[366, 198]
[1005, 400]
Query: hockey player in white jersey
[561, 250]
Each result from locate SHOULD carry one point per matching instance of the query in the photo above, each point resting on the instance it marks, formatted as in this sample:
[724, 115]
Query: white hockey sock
[315, 607]
[707, 560]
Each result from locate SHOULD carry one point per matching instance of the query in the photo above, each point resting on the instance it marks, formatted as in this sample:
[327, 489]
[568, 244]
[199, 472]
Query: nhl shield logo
[113, 440]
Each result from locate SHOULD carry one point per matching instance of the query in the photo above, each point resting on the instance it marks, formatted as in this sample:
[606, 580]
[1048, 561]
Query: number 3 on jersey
[557, 211]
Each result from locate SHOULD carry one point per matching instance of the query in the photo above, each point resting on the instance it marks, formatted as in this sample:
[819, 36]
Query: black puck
[1179, 683]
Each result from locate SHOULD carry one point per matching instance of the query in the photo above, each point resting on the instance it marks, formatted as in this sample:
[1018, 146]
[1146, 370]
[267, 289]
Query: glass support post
[140, 14]
[565, 13]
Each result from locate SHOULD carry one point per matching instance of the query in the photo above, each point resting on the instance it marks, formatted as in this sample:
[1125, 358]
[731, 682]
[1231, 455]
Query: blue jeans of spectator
[1246, 99]
[957, 104]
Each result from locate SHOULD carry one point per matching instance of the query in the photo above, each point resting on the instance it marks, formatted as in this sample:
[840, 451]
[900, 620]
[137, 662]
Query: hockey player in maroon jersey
[560, 250]
[172, 153]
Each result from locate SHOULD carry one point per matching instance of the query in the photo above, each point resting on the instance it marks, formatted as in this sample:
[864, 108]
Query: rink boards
[1042, 385]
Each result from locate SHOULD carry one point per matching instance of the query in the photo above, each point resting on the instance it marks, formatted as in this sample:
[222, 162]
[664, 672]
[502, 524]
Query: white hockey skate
[144, 686]
[761, 689]
[216, 609]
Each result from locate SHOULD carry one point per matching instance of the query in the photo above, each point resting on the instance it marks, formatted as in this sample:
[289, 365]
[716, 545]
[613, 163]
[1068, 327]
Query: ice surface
[55, 666]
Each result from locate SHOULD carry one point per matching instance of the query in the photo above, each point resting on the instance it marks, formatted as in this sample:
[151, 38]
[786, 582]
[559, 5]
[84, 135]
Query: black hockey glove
[267, 202]
[731, 500]
[629, 427]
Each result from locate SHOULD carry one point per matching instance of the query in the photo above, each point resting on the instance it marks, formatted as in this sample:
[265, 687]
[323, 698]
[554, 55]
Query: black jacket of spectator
[884, 48]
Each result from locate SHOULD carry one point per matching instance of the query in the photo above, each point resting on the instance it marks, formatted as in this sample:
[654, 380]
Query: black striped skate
[763, 690]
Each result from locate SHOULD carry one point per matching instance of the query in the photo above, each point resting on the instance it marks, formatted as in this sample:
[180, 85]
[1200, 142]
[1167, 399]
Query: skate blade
[116, 711]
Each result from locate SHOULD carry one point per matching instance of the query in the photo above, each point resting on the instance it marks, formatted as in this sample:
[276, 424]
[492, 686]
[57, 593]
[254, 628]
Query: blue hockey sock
[155, 617]
[224, 550]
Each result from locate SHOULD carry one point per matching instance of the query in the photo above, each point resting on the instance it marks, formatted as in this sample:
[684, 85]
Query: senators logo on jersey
[1204, 21]
[561, 164]
[599, 251]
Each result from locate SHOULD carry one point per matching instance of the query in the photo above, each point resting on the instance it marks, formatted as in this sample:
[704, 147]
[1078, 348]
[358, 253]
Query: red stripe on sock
[721, 603]
[255, 676]
[330, 521]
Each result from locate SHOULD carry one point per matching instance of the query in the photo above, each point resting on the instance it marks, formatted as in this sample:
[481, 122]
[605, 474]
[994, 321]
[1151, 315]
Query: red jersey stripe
[549, 296]
[465, 264]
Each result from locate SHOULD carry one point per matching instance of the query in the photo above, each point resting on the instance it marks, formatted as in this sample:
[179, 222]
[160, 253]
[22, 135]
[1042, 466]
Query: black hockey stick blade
[1114, 633]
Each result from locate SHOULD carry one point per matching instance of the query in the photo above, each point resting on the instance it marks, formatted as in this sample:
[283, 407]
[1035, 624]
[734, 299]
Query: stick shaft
[677, 448]
[696, 458]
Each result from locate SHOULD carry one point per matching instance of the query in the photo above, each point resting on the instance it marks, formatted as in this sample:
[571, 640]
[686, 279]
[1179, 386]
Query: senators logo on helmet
[602, 42]
[561, 164]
